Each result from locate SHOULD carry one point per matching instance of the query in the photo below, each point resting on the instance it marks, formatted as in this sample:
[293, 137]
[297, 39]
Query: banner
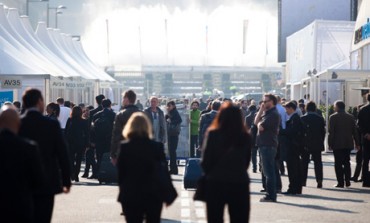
[6, 96]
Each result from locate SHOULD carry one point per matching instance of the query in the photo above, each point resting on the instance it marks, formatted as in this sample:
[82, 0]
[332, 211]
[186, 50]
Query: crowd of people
[226, 134]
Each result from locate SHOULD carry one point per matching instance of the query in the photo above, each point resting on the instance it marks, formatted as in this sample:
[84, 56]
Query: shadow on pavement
[350, 190]
[311, 196]
[93, 184]
[169, 221]
[317, 207]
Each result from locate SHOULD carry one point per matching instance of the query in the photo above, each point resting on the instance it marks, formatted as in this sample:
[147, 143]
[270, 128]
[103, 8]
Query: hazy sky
[198, 32]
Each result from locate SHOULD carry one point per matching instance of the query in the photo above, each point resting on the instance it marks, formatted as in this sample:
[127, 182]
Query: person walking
[342, 133]
[138, 166]
[20, 167]
[77, 134]
[194, 128]
[249, 122]
[54, 155]
[294, 134]
[102, 127]
[129, 98]
[156, 116]
[364, 126]
[268, 121]
[226, 156]
[173, 120]
[64, 113]
[314, 136]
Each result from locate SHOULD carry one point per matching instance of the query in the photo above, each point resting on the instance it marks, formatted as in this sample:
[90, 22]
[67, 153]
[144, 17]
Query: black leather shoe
[77, 180]
[85, 175]
[319, 185]
[348, 184]
[339, 186]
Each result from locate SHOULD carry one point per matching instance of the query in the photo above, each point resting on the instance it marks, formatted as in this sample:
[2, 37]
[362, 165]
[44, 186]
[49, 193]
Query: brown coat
[342, 131]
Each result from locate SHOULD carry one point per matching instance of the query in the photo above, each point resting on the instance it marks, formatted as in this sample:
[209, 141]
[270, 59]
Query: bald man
[21, 171]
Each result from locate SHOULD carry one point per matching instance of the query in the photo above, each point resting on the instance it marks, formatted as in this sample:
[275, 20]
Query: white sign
[11, 83]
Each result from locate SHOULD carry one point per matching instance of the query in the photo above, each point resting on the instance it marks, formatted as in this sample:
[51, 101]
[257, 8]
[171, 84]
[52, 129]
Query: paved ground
[91, 202]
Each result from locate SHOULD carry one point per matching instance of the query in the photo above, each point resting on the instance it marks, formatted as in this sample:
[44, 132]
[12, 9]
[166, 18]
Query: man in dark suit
[103, 127]
[364, 125]
[342, 133]
[314, 132]
[54, 156]
[21, 166]
[90, 152]
[129, 98]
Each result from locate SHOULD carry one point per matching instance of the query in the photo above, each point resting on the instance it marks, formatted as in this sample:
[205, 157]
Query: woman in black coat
[225, 160]
[77, 134]
[173, 120]
[138, 166]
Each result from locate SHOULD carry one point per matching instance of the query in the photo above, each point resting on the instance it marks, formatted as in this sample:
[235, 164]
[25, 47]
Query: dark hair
[67, 104]
[60, 100]
[252, 108]
[230, 122]
[90, 107]
[311, 106]
[171, 103]
[76, 112]
[17, 104]
[106, 103]
[194, 102]
[82, 105]
[31, 97]
[301, 101]
[272, 98]
[99, 99]
[216, 104]
[130, 95]
[55, 108]
[291, 104]
[340, 105]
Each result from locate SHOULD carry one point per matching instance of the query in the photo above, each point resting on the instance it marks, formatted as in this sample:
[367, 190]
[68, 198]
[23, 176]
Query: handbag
[200, 193]
[167, 190]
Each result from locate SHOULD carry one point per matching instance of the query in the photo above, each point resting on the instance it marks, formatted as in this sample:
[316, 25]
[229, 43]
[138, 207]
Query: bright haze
[181, 32]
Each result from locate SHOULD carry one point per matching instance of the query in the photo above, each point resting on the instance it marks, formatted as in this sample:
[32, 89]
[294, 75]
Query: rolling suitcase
[107, 171]
[193, 171]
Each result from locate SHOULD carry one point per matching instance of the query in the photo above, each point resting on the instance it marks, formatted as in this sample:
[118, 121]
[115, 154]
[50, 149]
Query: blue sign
[363, 32]
[6, 96]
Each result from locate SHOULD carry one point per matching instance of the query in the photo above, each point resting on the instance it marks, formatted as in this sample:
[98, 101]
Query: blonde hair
[138, 126]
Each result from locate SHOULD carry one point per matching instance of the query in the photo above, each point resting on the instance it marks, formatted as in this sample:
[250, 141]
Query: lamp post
[58, 10]
[28, 2]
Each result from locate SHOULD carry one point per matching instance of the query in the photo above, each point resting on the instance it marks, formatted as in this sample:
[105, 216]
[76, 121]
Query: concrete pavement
[91, 202]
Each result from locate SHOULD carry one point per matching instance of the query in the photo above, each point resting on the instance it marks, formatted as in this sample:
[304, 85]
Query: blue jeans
[268, 154]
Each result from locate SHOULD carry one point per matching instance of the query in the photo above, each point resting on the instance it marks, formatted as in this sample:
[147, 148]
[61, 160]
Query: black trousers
[365, 162]
[43, 206]
[294, 170]
[135, 212]
[342, 165]
[75, 157]
[172, 147]
[90, 161]
[235, 195]
[359, 158]
[316, 157]
[194, 144]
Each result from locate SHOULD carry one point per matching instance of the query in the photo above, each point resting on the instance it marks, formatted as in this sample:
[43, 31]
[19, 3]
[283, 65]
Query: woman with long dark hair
[77, 134]
[138, 166]
[52, 110]
[225, 160]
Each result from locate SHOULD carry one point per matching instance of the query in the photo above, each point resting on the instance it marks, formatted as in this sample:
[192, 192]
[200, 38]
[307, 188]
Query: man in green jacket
[194, 127]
